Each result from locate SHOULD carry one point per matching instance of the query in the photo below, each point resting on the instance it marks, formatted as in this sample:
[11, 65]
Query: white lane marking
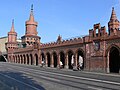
[53, 79]
[90, 79]
[20, 82]
[50, 78]
[94, 88]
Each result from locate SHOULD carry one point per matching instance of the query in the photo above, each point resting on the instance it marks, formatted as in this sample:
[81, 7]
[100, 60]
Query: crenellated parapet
[67, 42]
[97, 33]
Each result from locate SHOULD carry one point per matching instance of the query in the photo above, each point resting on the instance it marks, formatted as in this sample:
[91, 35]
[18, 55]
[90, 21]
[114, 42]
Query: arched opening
[21, 59]
[70, 54]
[62, 58]
[27, 59]
[114, 60]
[18, 59]
[55, 59]
[24, 59]
[36, 58]
[31, 59]
[43, 57]
[80, 58]
[48, 59]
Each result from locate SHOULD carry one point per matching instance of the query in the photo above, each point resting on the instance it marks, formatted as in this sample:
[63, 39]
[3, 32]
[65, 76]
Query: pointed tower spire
[113, 24]
[113, 15]
[12, 28]
[32, 7]
[12, 35]
[31, 14]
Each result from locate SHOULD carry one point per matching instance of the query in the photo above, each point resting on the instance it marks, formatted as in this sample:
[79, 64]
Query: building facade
[100, 51]
[3, 40]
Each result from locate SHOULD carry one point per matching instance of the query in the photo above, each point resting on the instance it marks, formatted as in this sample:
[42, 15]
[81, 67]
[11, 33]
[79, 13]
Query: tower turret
[11, 45]
[12, 35]
[113, 24]
[31, 25]
[12, 38]
[30, 37]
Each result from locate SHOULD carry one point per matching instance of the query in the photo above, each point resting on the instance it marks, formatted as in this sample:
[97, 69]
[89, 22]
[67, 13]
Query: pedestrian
[42, 63]
[72, 61]
[81, 62]
[61, 65]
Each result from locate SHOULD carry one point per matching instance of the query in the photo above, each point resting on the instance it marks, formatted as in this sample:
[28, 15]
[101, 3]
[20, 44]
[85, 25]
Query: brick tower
[113, 24]
[30, 37]
[11, 45]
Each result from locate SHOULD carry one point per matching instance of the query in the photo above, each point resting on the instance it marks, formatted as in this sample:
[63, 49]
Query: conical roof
[12, 28]
[113, 15]
[31, 18]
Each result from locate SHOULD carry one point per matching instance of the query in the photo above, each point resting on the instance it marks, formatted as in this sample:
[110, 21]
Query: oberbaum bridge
[100, 50]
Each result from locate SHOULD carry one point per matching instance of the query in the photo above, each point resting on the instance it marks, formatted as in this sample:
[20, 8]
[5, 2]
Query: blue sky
[69, 18]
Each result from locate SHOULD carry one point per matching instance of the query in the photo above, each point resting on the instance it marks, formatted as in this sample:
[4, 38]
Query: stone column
[41, 60]
[34, 59]
[19, 60]
[52, 61]
[108, 69]
[58, 61]
[66, 61]
[29, 60]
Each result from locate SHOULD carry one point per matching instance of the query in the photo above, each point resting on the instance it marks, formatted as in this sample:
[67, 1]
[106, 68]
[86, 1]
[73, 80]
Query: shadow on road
[17, 81]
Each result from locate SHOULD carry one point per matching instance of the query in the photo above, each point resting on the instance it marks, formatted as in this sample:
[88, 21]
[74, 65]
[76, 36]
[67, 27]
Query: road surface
[29, 77]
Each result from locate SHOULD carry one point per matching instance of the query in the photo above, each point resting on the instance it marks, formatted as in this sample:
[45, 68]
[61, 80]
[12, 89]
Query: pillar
[66, 61]
[58, 61]
[41, 60]
[19, 60]
[108, 69]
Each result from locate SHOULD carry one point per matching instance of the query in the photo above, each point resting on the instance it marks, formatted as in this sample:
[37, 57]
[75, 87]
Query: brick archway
[31, 59]
[27, 59]
[24, 60]
[18, 59]
[43, 57]
[70, 54]
[80, 53]
[55, 59]
[113, 59]
[62, 58]
[21, 59]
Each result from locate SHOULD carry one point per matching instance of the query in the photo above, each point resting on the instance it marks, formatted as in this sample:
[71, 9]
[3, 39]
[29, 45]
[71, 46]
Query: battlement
[70, 41]
[97, 32]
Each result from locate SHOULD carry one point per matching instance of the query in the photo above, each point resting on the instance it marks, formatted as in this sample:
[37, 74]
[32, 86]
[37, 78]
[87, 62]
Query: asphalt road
[27, 77]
